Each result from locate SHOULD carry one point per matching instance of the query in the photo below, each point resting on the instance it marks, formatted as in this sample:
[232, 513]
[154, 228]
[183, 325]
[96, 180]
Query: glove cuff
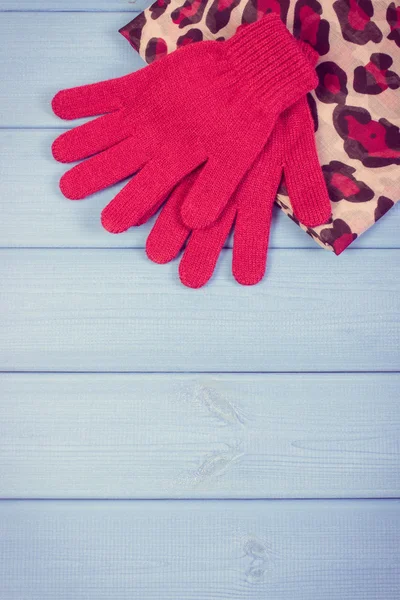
[311, 55]
[269, 61]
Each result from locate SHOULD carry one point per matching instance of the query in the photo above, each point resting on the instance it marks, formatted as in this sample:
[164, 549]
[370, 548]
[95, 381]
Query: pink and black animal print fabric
[356, 106]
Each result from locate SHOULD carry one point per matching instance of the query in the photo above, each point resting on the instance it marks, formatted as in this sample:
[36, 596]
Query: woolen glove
[212, 104]
[291, 150]
[359, 66]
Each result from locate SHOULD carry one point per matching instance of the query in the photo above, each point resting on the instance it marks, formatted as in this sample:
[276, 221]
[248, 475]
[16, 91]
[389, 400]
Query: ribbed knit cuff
[311, 55]
[268, 60]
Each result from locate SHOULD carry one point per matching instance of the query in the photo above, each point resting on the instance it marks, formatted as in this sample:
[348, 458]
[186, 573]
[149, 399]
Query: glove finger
[102, 170]
[169, 234]
[145, 193]
[98, 98]
[88, 139]
[203, 249]
[303, 174]
[221, 176]
[253, 223]
[308, 195]
[110, 95]
[210, 193]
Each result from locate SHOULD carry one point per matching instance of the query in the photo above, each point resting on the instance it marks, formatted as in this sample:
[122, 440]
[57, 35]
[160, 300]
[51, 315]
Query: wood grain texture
[202, 436]
[35, 214]
[200, 550]
[75, 5]
[168, 436]
[102, 310]
[45, 52]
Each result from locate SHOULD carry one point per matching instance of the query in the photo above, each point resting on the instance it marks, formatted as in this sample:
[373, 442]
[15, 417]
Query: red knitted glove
[213, 103]
[290, 149]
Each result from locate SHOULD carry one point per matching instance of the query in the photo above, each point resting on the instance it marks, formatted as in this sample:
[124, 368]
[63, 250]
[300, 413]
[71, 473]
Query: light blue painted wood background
[157, 442]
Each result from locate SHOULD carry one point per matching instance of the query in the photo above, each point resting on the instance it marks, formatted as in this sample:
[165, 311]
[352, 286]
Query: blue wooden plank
[25, 101]
[199, 436]
[102, 310]
[35, 214]
[46, 52]
[252, 550]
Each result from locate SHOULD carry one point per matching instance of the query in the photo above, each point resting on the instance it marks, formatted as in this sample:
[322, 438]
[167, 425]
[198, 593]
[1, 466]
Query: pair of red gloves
[208, 130]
